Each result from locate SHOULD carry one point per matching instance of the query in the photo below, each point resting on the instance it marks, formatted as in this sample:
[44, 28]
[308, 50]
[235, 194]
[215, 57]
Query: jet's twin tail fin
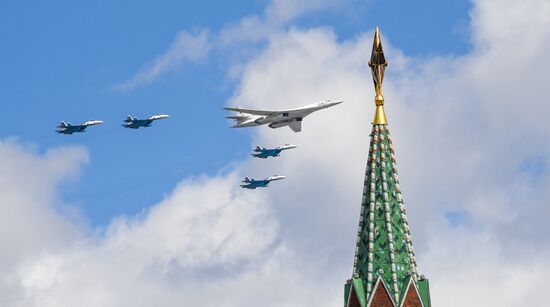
[64, 124]
[246, 179]
[258, 148]
[129, 119]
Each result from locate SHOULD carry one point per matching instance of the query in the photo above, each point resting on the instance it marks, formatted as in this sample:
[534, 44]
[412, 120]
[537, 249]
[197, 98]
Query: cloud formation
[32, 216]
[186, 47]
[194, 46]
[472, 145]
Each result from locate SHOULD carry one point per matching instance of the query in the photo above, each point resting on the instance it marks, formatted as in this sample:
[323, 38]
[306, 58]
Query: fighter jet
[67, 128]
[134, 123]
[253, 184]
[276, 119]
[264, 153]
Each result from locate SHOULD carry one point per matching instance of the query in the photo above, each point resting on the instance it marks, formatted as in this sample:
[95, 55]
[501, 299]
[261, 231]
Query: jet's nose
[290, 146]
[328, 103]
[93, 122]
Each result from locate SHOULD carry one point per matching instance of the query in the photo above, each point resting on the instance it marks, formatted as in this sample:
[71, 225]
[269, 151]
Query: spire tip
[378, 65]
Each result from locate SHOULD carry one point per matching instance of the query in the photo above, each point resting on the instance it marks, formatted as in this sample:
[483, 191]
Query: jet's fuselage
[135, 123]
[253, 184]
[264, 153]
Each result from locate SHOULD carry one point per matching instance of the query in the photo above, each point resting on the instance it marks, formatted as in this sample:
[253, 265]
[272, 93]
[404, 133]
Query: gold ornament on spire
[378, 65]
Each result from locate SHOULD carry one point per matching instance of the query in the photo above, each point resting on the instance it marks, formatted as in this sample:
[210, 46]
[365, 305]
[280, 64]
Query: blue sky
[163, 212]
[61, 59]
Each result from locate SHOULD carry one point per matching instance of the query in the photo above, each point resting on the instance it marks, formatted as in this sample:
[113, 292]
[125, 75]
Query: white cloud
[187, 46]
[208, 243]
[190, 47]
[32, 219]
[276, 17]
[282, 11]
[472, 268]
[465, 129]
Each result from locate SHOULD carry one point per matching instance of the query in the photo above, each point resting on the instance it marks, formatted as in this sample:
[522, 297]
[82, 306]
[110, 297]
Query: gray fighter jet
[67, 128]
[264, 153]
[276, 119]
[134, 123]
[253, 184]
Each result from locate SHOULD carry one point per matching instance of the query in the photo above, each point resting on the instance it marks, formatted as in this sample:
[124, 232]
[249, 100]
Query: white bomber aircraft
[276, 119]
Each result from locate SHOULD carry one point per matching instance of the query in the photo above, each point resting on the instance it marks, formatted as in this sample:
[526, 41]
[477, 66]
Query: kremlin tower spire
[384, 269]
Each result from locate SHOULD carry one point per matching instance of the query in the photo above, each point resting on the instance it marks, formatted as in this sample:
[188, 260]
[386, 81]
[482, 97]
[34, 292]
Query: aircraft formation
[129, 122]
[244, 118]
[274, 119]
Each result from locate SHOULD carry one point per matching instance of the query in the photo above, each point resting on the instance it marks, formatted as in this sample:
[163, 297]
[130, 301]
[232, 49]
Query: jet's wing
[296, 126]
[291, 113]
[253, 112]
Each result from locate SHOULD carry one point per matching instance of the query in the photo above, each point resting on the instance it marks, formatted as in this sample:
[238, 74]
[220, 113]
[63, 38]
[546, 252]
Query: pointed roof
[384, 251]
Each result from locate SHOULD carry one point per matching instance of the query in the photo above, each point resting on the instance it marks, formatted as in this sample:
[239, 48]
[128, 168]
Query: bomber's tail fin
[64, 125]
[129, 119]
[239, 117]
[234, 117]
[246, 180]
[258, 148]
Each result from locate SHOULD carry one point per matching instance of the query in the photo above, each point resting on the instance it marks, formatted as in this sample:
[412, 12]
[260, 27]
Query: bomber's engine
[284, 123]
[278, 124]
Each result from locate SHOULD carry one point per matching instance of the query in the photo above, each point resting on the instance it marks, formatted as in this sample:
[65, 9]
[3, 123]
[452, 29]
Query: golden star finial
[378, 65]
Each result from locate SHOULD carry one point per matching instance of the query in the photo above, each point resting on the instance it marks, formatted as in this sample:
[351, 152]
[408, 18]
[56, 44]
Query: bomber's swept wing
[236, 117]
[253, 112]
[309, 109]
[290, 112]
[295, 126]
[266, 113]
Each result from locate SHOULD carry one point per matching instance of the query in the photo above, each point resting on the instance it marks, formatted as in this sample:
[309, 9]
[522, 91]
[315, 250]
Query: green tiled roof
[384, 244]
